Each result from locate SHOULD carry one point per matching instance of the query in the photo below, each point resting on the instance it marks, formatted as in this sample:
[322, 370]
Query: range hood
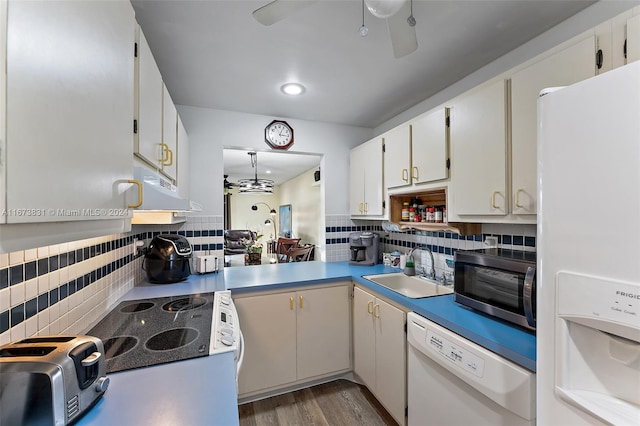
[161, 203]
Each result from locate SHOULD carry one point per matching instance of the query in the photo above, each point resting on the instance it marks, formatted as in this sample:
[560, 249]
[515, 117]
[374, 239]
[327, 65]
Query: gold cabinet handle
[493, 200]
[361, 207]
[376, 314]
[300, 301]
[165, 153]
[370, 306]
[366, 207]
[291, 303]
[518, 205]
[405, 175]
[414, 175]
[169, 162]
[139, 185]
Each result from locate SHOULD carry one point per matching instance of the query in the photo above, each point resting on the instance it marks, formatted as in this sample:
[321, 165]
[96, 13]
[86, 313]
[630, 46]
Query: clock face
[279, 135]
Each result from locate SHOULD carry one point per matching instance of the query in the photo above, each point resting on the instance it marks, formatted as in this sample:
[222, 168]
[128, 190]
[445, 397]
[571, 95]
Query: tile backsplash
[442, 244]
[64, 288]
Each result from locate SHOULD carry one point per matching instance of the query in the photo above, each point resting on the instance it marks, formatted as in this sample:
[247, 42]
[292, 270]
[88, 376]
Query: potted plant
[254, 251]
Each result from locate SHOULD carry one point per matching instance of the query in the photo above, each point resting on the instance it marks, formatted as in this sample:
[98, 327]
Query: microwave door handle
[529, 283]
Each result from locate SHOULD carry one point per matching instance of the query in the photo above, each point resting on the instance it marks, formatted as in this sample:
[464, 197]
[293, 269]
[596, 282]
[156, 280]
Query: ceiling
[277, 166]
[214, 54]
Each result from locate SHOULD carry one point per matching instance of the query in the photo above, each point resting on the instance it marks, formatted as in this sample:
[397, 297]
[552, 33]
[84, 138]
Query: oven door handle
[240, 354]
[529, 287]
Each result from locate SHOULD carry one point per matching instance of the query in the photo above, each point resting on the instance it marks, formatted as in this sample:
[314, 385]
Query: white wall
[307, 220]
[242, 217]
[212, 130]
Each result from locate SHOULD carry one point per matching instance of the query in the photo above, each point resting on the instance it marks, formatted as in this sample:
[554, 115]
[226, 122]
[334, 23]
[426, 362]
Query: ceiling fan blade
[277, 10]
[403, 36]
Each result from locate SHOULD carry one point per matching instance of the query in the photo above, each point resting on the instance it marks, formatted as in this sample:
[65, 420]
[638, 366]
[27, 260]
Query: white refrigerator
[588, 248]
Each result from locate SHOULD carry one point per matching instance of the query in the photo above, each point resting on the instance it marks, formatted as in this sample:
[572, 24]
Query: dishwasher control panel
[454, 353]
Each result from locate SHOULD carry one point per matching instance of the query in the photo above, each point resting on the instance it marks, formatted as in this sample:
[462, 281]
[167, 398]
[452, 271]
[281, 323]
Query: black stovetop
[140, 333]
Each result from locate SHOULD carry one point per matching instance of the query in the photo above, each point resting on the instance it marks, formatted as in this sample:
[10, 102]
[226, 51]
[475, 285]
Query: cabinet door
[357, 162]
[323, 331]
[633, 38]
[479, 149]
[373, 179]
[397, 157]
[70, 76]
[183, 161]
[561, 69]
[364, 343]
[150, 106]
[169, 135]
[390, 358]
[3, 102]
[366, 180]
[429, 147]
[269, 325]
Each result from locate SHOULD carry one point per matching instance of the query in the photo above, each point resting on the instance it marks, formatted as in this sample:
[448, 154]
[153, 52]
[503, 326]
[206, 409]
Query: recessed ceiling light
[292, 88]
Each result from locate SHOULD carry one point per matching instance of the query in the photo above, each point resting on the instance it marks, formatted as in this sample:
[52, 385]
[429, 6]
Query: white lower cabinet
[379, 350]
[293, 336]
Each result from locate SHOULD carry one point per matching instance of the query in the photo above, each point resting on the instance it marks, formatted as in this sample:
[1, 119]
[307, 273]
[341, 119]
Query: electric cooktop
[140, 333]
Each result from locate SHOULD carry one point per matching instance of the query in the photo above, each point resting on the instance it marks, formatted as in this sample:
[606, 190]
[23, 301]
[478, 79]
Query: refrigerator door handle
[529, 288]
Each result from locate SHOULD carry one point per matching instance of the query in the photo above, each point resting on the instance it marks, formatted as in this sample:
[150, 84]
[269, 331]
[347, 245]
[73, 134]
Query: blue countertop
[203, 390]
[199, 391]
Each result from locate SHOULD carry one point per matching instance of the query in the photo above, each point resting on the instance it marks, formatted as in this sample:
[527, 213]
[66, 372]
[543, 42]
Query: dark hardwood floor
[337, 403]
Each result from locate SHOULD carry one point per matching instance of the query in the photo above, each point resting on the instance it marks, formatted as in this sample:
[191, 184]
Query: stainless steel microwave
[498, 282]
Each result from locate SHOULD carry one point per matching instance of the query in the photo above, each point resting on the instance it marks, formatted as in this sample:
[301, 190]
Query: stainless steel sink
[410, 286]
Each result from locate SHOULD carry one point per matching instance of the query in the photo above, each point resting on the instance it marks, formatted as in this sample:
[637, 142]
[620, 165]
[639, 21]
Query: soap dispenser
[410, 268]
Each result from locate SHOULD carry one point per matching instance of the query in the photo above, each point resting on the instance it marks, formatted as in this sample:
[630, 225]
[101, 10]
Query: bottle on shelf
[405, 211]
[438, 214]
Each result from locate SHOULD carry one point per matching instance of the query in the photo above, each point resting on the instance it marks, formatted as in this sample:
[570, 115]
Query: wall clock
[278, 134]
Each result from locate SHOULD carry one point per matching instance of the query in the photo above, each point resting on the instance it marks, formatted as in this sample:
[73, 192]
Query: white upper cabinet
[183, 161]
[169, 144]
[429, 147]
[366, 196]
[632, 50]
[479, 151]
[618, 41]
[573, 64]
[397, 157]
[148, 144]
[69, 106]
[156, 142]
[3, 98]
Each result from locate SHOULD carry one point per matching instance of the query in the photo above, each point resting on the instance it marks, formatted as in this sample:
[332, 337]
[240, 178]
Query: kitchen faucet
[432, 272]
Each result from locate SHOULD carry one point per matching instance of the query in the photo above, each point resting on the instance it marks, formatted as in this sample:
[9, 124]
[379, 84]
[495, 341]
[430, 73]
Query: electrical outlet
[491, 242]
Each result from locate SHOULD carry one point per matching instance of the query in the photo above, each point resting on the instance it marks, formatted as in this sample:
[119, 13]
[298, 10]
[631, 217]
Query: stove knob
[225, 300]
[226, 332]
[227, 340]
[102, 384]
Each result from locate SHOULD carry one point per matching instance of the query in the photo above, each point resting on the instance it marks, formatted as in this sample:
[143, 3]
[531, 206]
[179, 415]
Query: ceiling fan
[398, 13]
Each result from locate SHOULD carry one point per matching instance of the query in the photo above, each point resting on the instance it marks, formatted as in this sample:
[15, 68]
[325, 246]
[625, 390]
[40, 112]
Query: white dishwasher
[452, 381]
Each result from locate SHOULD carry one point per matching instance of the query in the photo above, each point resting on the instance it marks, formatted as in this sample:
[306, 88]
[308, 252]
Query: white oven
[225, 328]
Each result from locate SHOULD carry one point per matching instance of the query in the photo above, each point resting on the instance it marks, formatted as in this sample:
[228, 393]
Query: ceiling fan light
[292, 89]
[384, 8]
[255, 185]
